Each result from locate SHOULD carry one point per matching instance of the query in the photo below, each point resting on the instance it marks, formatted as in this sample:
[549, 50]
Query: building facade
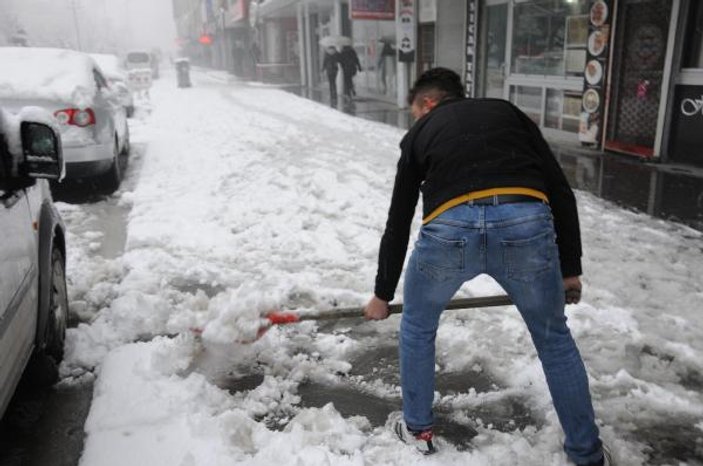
[216, 33]
[624, 76]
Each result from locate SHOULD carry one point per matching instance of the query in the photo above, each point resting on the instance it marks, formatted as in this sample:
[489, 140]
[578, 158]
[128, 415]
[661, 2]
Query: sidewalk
[669, 191]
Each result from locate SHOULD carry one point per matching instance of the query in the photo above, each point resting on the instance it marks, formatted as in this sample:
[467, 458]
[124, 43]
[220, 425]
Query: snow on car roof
[47, 74]
[109, 65]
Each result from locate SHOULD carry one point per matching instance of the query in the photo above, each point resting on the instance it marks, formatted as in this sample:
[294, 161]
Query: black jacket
[330, 63]
[349, 61]
[466, 145]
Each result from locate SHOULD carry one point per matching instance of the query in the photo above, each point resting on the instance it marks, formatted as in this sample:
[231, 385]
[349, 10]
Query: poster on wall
[471, 37]
[594, 73]
[373, 9]
[405, 30]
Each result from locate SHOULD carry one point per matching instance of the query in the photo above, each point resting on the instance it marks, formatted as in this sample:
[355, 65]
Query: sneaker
[607, 459]
[422, 440]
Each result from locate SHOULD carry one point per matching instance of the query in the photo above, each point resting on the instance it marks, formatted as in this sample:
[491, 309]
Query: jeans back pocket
[526, 259]
[437, 256]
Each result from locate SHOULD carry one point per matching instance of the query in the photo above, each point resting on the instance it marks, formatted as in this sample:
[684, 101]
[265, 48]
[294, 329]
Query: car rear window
[138, 57]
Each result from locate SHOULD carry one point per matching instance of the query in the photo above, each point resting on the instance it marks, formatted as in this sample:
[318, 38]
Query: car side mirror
[41, 148]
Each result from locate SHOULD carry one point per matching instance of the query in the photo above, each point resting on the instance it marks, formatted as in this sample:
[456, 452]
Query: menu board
[594, 73]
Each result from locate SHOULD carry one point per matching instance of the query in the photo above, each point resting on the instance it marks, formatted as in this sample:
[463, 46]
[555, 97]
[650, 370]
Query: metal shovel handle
[290, 317]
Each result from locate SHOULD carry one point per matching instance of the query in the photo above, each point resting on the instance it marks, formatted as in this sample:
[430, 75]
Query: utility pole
[75, 24]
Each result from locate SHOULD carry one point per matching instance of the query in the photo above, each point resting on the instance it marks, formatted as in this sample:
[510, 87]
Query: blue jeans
[514, 244]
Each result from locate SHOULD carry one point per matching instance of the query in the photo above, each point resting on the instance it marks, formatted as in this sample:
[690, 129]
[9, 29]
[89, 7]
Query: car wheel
[111, 180]
[58, 308]
[127, 146]
[43, 368]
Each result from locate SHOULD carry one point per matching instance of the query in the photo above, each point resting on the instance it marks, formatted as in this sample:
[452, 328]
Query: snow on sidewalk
[250, 198]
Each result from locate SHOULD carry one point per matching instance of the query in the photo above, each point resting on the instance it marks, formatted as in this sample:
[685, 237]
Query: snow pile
[251, 198]
[236, 316]
[47, 74]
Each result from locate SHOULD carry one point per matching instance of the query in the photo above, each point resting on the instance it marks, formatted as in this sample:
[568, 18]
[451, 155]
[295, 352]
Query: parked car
[139, 59]
[117, 79]
[69, 84]
[33, 299]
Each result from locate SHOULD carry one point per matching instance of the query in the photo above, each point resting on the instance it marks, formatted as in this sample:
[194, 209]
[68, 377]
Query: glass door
[640, 50]
[494, 40]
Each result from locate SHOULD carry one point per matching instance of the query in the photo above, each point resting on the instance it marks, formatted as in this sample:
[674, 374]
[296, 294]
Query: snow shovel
[292, 317]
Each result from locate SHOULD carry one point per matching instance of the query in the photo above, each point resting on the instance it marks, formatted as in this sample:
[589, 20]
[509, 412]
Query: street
[241, 198]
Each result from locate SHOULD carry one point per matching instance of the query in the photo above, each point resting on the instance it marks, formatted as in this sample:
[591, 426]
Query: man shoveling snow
[496, 202]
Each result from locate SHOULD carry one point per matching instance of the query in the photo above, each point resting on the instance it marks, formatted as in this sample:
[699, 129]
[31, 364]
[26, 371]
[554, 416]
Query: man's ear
[429, 102]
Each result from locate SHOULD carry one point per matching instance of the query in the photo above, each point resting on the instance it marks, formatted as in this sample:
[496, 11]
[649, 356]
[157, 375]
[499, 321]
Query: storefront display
[549, 37]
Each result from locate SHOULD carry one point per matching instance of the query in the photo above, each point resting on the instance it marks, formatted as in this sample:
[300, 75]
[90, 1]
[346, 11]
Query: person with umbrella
[350, 65]
[330, 65]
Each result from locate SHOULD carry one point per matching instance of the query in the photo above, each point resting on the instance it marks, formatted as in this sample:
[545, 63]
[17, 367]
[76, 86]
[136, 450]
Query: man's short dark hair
[441, 83]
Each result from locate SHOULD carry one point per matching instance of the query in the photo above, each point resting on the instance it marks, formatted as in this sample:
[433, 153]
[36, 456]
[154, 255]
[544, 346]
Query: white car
[117, 78]
[70, 85]
[33, 298]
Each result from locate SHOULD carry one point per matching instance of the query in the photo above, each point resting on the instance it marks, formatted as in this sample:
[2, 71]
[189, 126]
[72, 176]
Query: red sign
[205, 39]
[373, 9]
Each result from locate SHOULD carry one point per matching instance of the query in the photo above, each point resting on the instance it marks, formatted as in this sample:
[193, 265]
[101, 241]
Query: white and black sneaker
[422, 440]
[607, 459]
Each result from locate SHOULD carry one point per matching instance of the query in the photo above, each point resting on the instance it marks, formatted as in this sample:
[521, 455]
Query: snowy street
[241, 199]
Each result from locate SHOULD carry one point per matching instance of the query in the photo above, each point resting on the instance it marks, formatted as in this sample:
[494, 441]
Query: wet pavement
[45, 427]
[457, 422]
[352, 394]
[669, 191]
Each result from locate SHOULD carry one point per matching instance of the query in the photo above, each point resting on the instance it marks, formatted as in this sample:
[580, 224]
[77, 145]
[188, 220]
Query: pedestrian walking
[330, 65]
[387, 53]
[350, 66]
[495, 201]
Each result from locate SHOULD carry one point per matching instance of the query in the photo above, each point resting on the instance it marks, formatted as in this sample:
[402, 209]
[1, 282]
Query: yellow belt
[472, 196]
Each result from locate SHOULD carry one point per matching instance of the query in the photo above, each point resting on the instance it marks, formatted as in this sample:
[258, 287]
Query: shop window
[549, 37]
[562, 110]
[693, 48]
[529, 100]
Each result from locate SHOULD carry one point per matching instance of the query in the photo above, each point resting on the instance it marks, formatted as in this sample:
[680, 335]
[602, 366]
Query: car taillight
[76, 117]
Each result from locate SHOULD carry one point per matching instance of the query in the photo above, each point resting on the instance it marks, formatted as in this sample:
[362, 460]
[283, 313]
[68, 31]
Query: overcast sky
[103, 25]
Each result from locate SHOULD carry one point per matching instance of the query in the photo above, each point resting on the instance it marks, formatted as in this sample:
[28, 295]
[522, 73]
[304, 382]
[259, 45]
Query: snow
[47, 74]
[110, 66]
[10, 128]
[250, 198]
[11, 124]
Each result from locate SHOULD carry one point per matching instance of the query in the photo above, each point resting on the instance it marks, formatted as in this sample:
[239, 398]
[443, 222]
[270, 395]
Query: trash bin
[183, 72]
